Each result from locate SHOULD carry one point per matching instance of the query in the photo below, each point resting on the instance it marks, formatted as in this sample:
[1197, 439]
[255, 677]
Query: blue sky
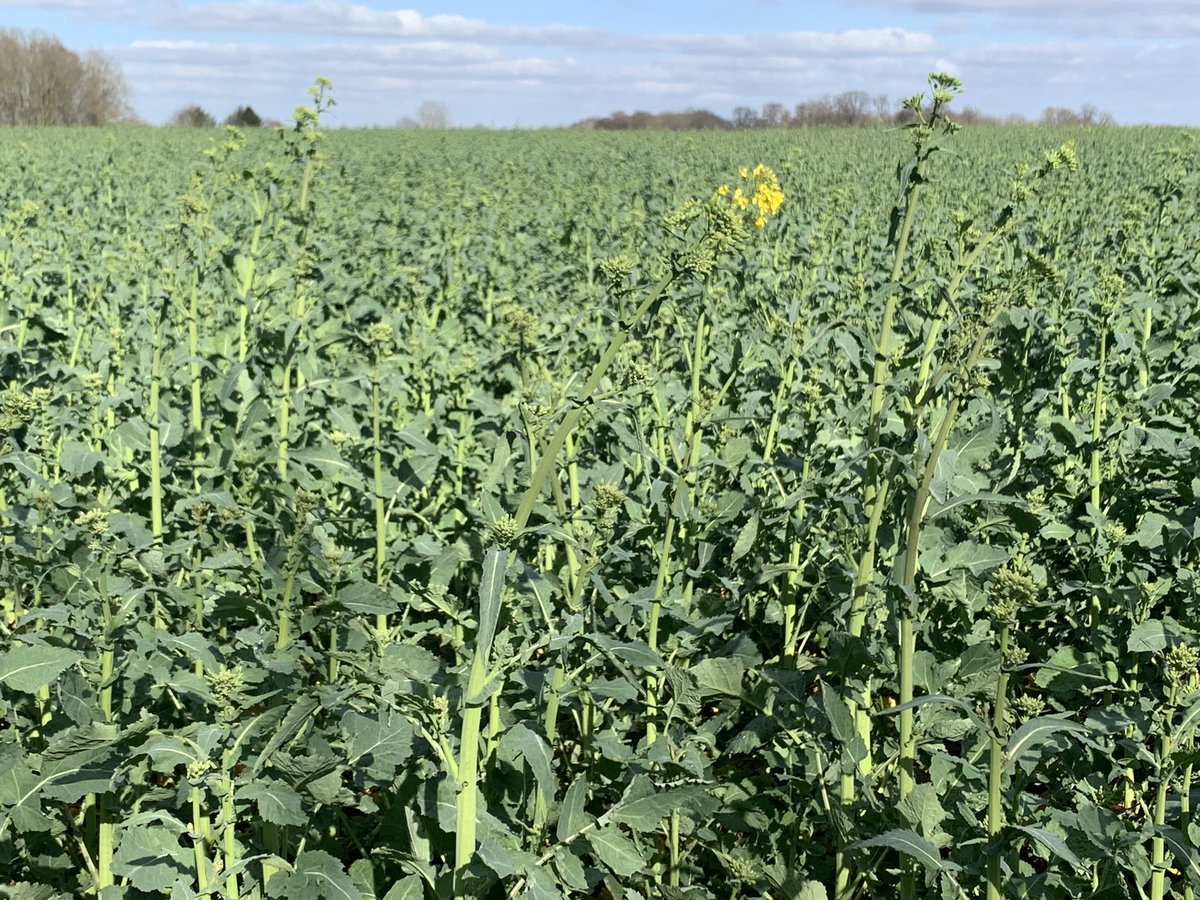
[553, 63]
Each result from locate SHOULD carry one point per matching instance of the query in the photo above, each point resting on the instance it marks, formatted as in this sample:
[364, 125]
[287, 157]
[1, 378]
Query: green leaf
[491, 590]
[838, 713]
[1034, 732]
[1182, 849]
[1150, 636]
[314, 874]
[745, 540]
[20, 792]
[408, 888]
[636, 653]
[29, 669]
[541, 885]
[647, 813]
[380, 744]
[522, 742]
[922, 809]
[277, 802]
[301, 710]
[504, 860]
[720, 675]
[23, 890]
[572, 816]
[151, 858]
[1053, 843]
[616, 851]
[367, 598]
[910, 844]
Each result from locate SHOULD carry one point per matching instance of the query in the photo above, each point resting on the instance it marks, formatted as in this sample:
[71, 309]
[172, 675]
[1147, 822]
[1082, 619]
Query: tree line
[847, 109]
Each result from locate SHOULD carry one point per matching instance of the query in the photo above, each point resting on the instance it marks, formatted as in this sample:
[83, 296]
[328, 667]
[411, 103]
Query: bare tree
[774, 115]
[44, 83]
[432, 114]
[745, 117]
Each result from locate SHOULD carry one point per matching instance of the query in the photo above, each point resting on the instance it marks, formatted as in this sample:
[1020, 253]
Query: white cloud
[1110, 18]
[336, 17]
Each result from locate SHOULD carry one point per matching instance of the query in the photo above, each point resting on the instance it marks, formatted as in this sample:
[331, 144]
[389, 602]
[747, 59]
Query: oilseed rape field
[778, 514]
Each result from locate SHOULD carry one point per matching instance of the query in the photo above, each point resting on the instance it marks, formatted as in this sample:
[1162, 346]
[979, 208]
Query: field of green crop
[557, 515]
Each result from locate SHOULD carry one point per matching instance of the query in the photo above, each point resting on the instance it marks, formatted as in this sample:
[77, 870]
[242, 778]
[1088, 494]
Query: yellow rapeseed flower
[744, 172]
[723, 190]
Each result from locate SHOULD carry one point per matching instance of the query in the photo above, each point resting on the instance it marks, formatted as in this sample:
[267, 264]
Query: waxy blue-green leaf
[522, 743]
[647, 813]
[276, 802]
[408, 888]
[315, 874]
[151, 857]
[617, 851]
[719, 676]
[1053, 843]
[1026, 739]
[573, 816]
[30, 668]
[911, 844]
[491, 590]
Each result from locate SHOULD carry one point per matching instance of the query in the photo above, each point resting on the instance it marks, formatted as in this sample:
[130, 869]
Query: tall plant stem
[876, 492]
[1095, 471]
[995, 810]
[381, 619]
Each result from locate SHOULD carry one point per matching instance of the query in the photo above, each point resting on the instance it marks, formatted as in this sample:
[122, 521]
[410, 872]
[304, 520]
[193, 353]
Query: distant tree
[432, 114]
[193, 116]
[774, 115]
[688, 120]
[244, 117]
[43, 82]
[745, 117]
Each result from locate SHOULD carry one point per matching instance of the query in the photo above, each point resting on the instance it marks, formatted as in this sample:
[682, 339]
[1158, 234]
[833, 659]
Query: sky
[553, 62]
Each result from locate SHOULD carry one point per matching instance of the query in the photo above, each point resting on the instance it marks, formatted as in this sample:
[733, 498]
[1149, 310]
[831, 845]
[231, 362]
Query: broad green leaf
[841, 722]
[541, 885]
[647, 813]
[572, 816]
[922, 809]
[1150, 636]
[1034, 732]
[150, 857]
[300, 711]
[745, 540]
[407, 888]
[1053, 843]
[367, 598]
[277, 802]
[22, 890]
[491, 590]
[380, 744]
[911, 844]
[521, 742]
[504, 860]
[29, 669]
[1183, 851]
[719, 676]
[315, 874]
[616, 851]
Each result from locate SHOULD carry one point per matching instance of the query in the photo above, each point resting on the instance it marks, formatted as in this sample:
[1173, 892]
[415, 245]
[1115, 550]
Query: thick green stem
[381, 620]
[995, 810]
